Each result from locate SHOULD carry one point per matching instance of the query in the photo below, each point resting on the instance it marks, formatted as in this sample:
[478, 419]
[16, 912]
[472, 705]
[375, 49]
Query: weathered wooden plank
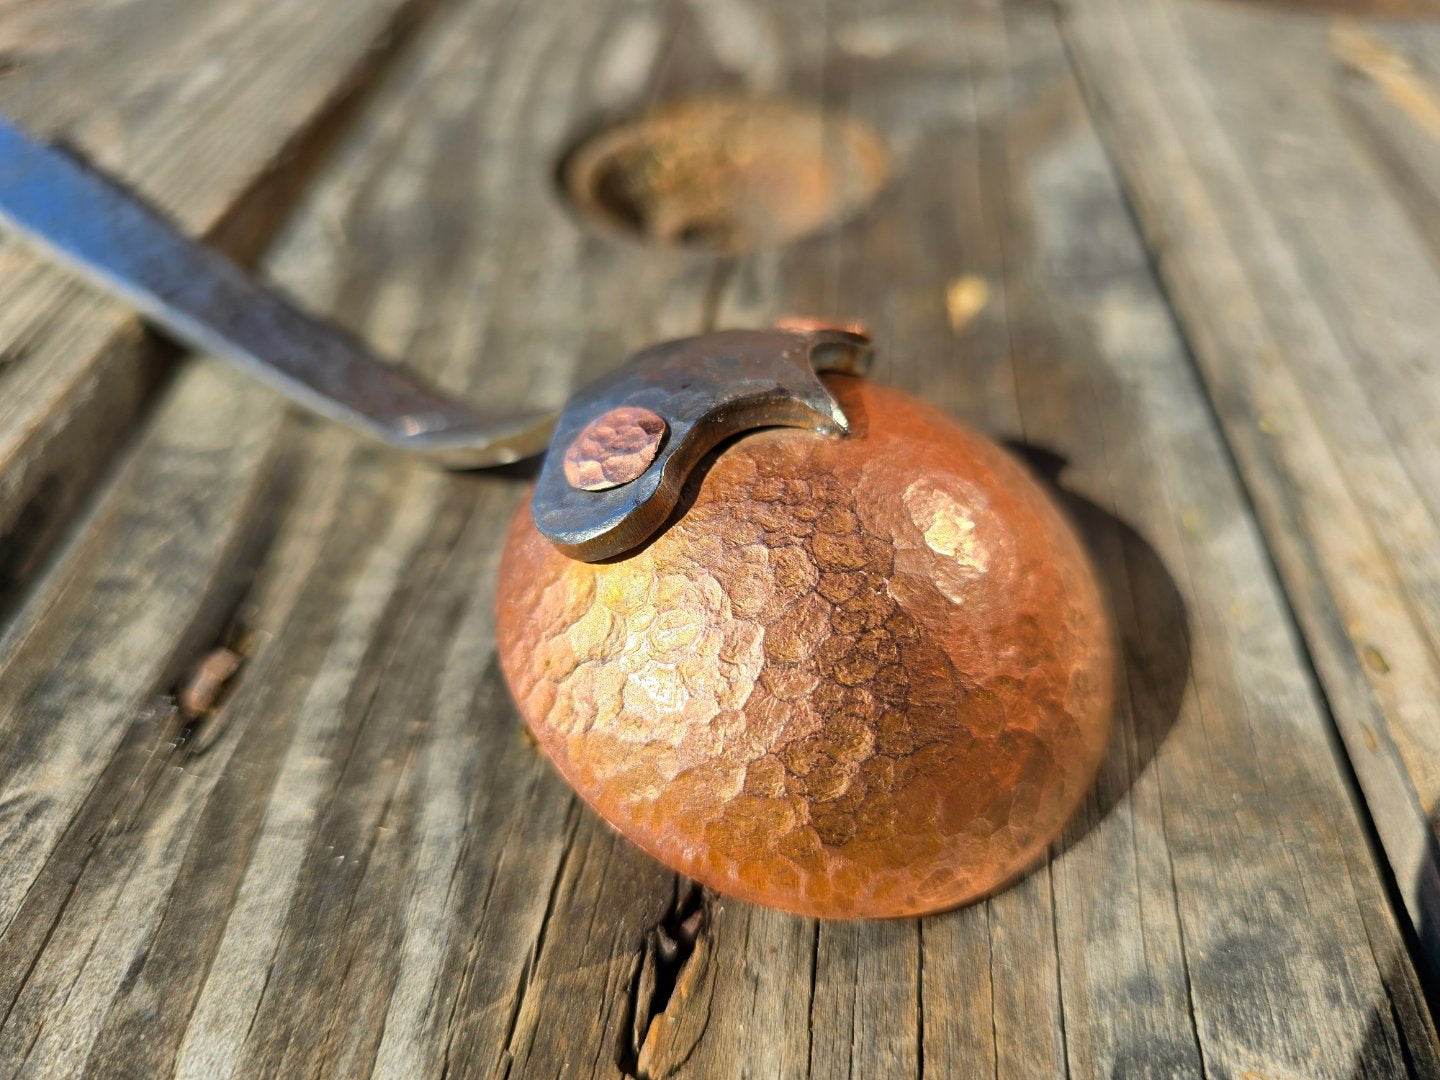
[1170, 936]
[359, 864]
[1392, 95]
[1278, 164]
[218, 112]
[148, 583]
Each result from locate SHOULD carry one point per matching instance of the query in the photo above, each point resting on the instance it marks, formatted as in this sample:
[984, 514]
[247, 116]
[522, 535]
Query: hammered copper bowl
[854, 677]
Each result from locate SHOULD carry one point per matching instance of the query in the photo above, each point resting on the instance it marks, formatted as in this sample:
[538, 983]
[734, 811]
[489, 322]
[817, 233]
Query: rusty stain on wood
[727, 173]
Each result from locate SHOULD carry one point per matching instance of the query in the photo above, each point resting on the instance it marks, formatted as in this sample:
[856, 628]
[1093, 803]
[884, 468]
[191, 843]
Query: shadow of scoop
[1152, 635]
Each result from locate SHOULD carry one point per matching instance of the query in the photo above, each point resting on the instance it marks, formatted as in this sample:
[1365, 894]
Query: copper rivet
[614, 448]
[809, 324]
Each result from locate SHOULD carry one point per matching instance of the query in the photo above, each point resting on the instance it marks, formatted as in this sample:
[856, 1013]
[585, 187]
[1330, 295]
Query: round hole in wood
[726, 174]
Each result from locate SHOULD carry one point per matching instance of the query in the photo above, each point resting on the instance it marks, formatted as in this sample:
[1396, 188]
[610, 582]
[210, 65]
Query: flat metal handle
[694, 392]
[202, 299]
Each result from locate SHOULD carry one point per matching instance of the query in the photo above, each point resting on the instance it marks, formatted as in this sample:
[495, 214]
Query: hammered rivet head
[614, 448]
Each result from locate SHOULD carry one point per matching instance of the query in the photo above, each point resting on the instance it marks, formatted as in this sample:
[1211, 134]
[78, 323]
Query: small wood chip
[202, 690]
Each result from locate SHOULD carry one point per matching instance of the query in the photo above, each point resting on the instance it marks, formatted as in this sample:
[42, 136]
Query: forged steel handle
[202, 299]
[695, 392]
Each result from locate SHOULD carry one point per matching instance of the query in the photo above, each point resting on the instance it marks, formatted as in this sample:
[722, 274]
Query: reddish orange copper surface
[614, 448]
[808, 324]
[857, 677]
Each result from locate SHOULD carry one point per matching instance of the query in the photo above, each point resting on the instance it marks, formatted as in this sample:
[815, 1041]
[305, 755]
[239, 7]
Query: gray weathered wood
[1279, 164]
[359, 864]
[217, 111]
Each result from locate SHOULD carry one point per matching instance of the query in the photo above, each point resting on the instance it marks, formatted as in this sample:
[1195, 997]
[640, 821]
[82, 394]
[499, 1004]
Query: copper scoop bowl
[799, 636]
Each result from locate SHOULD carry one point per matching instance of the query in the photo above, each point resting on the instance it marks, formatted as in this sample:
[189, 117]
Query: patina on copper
[614, 448]
[868, 676]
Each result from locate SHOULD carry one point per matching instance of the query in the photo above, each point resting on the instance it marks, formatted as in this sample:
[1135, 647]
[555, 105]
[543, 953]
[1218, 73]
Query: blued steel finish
[869, 676]
[202, 299]
[706, 389]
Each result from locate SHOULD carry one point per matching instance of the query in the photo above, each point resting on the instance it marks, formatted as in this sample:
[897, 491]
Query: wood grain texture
[1304, 268]
[214, 110]
[358, 864]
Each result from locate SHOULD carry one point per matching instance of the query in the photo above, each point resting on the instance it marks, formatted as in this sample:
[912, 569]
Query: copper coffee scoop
[868, 674]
